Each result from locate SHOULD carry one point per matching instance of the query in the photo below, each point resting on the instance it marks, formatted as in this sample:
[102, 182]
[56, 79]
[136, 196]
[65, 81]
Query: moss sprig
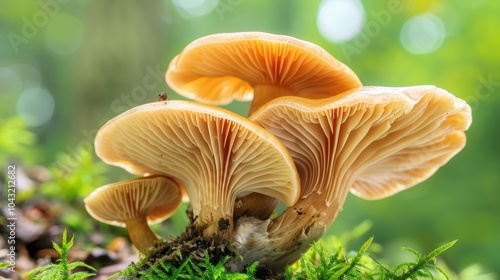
[62, 269]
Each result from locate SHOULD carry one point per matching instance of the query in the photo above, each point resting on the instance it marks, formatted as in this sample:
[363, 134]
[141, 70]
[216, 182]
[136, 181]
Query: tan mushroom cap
[134, 204]
[218, 156]
[220, 68]
[373, 141]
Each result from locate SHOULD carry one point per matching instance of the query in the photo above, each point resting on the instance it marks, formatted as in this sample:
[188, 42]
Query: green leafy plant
[320, 263]
[61, 270]
[423, 266]
[163, 269]
[332, 262]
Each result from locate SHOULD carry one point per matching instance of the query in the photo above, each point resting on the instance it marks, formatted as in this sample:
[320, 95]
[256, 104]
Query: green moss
[327, 259]
[62, 269]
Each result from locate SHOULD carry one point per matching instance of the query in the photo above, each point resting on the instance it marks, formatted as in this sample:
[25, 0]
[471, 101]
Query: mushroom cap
[215, 154]
[155, 197]
[378, 140]
[219, 68]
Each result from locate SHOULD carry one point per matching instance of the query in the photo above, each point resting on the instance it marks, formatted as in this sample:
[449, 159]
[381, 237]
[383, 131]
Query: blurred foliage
[16, 141]
[100, 58]
[75, 176]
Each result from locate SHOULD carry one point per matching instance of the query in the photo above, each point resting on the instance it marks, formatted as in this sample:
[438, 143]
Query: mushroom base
[279, 242]
[193, 245]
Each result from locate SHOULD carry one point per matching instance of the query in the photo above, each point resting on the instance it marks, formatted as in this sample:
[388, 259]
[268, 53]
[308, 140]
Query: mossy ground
[193, 245]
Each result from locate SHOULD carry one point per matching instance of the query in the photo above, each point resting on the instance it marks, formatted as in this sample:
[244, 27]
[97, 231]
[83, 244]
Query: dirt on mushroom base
[191, 244]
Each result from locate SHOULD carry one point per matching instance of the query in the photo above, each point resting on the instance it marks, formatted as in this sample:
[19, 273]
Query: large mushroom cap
[155, 197]
[215, 154]
[372, 141]
[219, 68]
[417, 145]
[389, 138]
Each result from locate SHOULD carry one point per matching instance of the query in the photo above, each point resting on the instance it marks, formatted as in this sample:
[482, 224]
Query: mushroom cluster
[313, 134]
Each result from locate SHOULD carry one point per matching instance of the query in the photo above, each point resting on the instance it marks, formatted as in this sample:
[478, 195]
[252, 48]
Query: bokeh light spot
[422, 34]
[64, 33]
[194, 8]
[35, 106]
[340, 20]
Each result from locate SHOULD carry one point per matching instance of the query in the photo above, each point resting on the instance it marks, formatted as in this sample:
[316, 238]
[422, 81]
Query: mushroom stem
[292, 235]
[140, 233]
[265, 92]
[215, 222]
[255, 205]
[304, 223]
[325, 210]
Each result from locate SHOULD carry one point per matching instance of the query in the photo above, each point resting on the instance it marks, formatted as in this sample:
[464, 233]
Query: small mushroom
[134, 204]
[219, 68]
[216, 155]
[372, 141]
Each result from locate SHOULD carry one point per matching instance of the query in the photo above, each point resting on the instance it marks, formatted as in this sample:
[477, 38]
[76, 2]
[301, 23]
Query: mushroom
[372, 141]
[134, 204]
[216, 155]
[218, 68]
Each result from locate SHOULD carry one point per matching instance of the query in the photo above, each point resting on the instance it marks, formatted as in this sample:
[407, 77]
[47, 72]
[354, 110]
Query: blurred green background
[66, 67]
